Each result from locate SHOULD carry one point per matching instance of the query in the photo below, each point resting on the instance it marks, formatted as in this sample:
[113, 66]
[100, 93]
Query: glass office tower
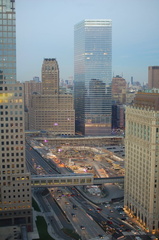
[93, 74]
[15, 185]
[7, 42]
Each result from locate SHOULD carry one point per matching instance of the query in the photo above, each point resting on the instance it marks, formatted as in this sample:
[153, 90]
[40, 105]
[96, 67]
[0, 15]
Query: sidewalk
[34, 234]
[51, 232]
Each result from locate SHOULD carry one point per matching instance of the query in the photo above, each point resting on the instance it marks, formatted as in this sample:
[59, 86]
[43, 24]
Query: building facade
[141, 195]
[153, 77]
[118, 116]
[119, 90]
[31, 87]
[52, 111]
[15, 187]
[92, 76]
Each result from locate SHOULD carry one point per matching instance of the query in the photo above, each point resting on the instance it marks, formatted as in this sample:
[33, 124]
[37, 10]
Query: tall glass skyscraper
[7, 42]
[15, 184]
[93, 74]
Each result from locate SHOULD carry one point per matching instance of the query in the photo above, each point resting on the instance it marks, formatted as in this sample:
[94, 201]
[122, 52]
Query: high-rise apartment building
[15, 187]
[141, 196]
[52, 111]
[153, 77]
[92, 76]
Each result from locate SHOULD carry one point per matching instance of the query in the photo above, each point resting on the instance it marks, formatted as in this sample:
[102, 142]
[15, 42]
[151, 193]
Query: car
[99, 209]
[82, 227]
[107, 205]
[74, 207]
[119, 229]
[109, 222]
[58, 190]
[127, 230]
[101, 236]
[73, 215]
[90, 209]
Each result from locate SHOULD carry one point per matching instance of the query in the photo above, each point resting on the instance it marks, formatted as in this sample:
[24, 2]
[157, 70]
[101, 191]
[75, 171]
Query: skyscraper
[52, 111]
[50, 76]
[15, 188]
[153, 77]
[119, 90]
[142, 160]
[92, 76]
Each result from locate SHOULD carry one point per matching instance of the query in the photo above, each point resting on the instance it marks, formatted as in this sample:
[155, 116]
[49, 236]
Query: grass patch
[35, 205]
[71, 233]
[42, 229]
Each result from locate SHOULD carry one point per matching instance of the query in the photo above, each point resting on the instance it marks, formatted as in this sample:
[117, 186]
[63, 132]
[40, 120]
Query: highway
[49, 207]
[51, 210]
[81, 216]
[87, 220]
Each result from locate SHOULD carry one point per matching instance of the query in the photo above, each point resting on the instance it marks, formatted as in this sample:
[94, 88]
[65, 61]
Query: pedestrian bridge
[57, 180]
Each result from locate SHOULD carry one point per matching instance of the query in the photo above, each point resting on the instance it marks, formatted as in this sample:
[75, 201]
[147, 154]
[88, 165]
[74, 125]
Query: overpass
[59, 180]
[81, 141]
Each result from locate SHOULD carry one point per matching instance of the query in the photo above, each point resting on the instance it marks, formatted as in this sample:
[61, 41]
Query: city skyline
[48, 32]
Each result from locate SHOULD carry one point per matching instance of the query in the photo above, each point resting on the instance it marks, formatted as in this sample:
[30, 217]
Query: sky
[45, 29]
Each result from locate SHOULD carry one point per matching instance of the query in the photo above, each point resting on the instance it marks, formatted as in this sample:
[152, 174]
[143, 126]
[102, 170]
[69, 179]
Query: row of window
[10, 131]
[8, 46]
[7, 28]
[7, 34]
[7, 19]
[11, 137]
[11, 113]
[14, 208]
[11, 40]
[11, 100]
[61, 181]
[11, 106]
[13, 166]
[12, 160]
[12, 154]
[16, 148]
[11, 119]
[12, 172]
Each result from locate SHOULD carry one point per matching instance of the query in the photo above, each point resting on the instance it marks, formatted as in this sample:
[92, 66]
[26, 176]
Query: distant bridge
[58, 180]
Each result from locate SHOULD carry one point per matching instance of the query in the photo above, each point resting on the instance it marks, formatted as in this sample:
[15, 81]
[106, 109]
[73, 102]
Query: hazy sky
[45, 29]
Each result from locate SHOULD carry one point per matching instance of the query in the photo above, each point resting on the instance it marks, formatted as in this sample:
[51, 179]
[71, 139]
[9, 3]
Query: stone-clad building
[142, 160]
[52, 111]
